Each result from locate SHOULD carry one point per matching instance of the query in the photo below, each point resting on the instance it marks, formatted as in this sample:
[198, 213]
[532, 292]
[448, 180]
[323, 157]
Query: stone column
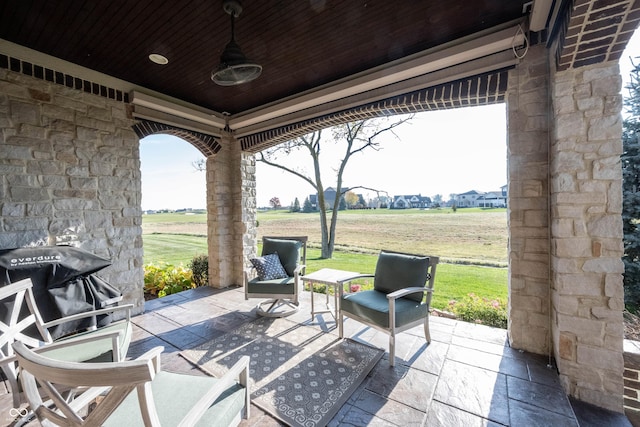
[249, 205]
[586, 233]
[528, 220]
[225, 220]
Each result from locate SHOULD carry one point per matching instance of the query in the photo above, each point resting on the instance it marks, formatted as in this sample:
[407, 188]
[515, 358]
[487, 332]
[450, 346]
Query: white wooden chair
[132, 393]
[22, 322]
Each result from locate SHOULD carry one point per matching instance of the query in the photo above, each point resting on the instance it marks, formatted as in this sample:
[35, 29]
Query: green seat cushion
[396, 271]
[288, 252]
[275, 286]
[174, 395]
[95, 350]
[373, 306]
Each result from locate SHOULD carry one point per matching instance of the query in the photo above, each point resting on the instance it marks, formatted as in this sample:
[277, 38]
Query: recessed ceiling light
[158, 59]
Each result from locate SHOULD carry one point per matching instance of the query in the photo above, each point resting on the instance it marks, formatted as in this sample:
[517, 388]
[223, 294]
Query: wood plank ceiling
[300, 44]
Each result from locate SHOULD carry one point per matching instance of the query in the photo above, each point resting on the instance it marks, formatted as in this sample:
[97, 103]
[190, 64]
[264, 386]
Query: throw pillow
[269, 267]
[288, 251]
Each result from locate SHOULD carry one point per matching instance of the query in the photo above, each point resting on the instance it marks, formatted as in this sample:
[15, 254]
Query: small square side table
[328, 277]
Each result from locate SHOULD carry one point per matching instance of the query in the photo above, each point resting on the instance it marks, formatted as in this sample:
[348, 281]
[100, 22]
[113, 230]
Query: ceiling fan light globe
[231, 75]
[234, 68]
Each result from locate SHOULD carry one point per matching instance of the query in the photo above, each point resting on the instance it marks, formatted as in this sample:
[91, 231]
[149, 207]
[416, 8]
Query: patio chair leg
[427, 334]
[392, 350]
[272, 305]
[341, 325]
[291, 307]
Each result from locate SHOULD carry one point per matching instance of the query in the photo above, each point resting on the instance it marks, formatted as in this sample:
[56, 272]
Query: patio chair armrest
[249, 273]
[359, 276]
[67, 343]
[6, 360]
[154, 356]
[78, 316]
[407, 291]
[341, 283]
[239, 373]
[113, 336]
[300, 270]
[77, 339]
[154, 352]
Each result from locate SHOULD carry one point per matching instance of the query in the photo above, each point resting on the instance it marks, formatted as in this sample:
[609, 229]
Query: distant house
[468, 199]
[411, 201]
[475, 199]
[329, 197]
[492, 199]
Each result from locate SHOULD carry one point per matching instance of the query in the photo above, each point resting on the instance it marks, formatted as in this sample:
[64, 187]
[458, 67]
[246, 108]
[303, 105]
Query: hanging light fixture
[234, 68]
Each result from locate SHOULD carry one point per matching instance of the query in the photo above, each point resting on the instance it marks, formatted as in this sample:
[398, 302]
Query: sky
[439, 152]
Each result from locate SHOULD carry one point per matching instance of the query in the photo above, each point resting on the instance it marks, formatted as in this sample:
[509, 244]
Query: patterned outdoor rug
[299, 374]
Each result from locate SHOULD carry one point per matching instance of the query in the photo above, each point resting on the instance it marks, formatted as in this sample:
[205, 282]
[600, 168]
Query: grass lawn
[472, 243]
[453, 281]
[173, 249]
[472, 236]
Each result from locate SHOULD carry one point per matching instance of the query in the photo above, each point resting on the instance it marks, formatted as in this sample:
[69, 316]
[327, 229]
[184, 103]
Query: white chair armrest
[78, 316]
[154, 352]
[238, 373]
[154, 356]
[70, 341]
[73, 339]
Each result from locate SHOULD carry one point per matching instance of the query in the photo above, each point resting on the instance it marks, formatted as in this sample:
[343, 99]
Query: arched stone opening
[208, 145]
[217, 190]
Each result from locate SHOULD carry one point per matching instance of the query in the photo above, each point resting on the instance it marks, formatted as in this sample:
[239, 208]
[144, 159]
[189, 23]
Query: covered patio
[468, 375]
[82, 82]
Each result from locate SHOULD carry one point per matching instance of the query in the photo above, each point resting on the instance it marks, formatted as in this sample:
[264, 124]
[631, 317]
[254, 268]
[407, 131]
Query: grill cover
[64, 283]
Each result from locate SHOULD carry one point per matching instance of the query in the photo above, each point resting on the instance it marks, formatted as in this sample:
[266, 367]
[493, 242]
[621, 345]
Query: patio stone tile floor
[467, 376]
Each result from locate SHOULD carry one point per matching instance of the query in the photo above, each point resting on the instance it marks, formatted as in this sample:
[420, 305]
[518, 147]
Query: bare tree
[275, 203]
[356, 137]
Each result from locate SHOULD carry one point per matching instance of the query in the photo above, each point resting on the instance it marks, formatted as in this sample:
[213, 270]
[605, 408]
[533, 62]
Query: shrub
[199, 266]
[166, 279]
[476, 309]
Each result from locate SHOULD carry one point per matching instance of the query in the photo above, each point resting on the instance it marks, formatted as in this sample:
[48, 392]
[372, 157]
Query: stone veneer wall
[228, 179]
[249, 208]
[70, 173]
[586, 245]
[565, 224]
[527, 169]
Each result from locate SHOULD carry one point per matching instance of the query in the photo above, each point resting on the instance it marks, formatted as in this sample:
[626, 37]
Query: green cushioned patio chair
[23, 322]
[277, 278]
[131, 393]
[400, 299]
